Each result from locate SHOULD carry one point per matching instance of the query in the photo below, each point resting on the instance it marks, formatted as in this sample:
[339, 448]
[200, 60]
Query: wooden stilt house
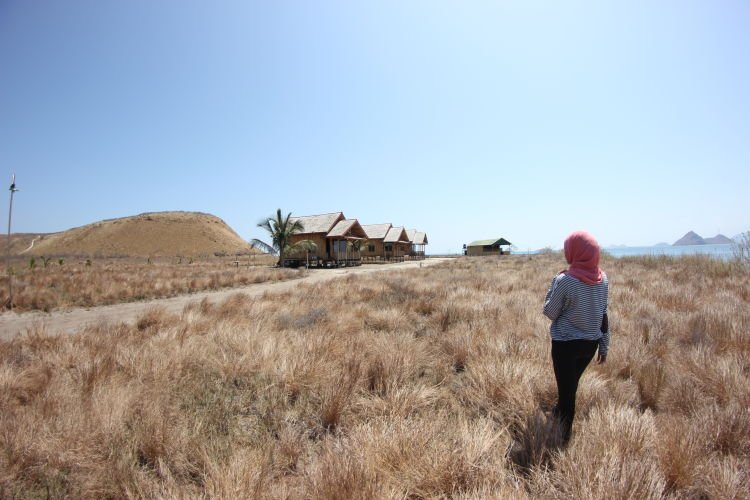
[418, 242]
[335, 237]
[346, 238]
[374, 248]
[386, 243]
[396, 244]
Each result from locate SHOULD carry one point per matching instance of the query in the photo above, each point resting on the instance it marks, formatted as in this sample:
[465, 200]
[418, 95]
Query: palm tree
[356, 245]
[306, 246]
[281, 230]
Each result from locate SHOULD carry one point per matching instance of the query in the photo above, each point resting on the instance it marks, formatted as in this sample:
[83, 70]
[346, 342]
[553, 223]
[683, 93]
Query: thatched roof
[376, 231]
[416, 237]
[318, 223]
[335, 225]
[347, 228]
[420, 238]
[396, 235]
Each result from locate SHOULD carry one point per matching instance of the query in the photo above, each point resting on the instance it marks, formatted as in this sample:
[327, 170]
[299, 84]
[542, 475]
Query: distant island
[692, 238]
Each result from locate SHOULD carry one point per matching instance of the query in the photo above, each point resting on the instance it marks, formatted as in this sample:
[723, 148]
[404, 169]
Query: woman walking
[577, 305]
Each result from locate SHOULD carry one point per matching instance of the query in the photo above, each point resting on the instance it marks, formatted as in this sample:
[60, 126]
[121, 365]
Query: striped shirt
[576, 310]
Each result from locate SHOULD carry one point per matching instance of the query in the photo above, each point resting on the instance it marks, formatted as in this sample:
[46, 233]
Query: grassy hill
[189, 234]
[19, 242]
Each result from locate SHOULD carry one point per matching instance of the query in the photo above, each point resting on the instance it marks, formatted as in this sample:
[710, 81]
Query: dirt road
[61, 322]
[30, 246]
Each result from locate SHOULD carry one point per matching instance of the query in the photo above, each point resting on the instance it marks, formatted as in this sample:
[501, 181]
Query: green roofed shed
[488, 247]
[482, 243]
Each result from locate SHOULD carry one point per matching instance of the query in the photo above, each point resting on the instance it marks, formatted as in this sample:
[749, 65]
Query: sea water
[718, 251]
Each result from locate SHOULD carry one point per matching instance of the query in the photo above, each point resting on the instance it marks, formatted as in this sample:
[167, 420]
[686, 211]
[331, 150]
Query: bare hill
[189, 234]
[719, 239]
[690, 238]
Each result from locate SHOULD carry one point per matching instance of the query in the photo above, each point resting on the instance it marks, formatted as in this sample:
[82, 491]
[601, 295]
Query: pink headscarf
[582, 253]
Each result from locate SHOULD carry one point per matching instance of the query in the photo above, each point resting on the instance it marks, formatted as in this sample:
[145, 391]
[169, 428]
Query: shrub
[741, 248]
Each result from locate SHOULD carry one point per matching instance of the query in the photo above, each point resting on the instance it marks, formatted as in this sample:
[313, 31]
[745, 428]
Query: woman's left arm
[553, 302]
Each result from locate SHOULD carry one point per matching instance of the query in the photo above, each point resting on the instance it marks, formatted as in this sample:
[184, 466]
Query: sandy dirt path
[71, 321]
[30, 246]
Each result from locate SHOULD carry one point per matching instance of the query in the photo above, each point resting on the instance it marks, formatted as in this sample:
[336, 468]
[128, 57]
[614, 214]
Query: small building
[498, 246]
[335, 237]
[396, 244]
[418, 242]
[385, 242]
[374, 247]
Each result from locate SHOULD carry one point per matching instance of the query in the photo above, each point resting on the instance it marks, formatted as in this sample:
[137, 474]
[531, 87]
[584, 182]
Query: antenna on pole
[13, 189]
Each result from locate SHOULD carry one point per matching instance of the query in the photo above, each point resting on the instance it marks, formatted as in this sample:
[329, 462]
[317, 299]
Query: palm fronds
[263, 246]
[281, 229]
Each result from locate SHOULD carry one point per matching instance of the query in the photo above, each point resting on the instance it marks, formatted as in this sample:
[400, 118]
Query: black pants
[569, 359]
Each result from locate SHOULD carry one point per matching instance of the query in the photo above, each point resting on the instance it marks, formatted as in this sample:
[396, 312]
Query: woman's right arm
[604, 341]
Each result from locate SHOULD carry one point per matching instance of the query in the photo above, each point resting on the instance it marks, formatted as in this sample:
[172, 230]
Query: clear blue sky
[467, 120]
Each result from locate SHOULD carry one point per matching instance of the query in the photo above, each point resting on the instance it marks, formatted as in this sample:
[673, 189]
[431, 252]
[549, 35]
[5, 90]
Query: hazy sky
[467, 120]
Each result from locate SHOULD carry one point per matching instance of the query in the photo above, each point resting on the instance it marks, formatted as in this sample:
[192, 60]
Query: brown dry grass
[430, 383]
[112, 281]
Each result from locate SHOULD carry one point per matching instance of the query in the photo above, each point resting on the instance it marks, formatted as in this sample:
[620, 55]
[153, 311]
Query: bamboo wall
[479, 251]
[379, 248]
[318, 238]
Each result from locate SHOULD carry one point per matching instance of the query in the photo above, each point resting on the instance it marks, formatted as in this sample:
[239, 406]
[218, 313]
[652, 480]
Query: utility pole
[7, 258]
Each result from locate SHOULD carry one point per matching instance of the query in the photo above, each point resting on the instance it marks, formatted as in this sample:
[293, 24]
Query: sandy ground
[71, 321]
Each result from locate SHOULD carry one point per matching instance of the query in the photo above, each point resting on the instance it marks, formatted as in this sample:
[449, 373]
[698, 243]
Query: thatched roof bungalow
[333, 235]
[418, 242]
[375, 245]
[389, 242]
[396, 243]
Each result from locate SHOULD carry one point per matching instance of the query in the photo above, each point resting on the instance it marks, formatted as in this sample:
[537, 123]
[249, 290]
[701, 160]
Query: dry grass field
[426, 383]
[146, 256]
[76, 283]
